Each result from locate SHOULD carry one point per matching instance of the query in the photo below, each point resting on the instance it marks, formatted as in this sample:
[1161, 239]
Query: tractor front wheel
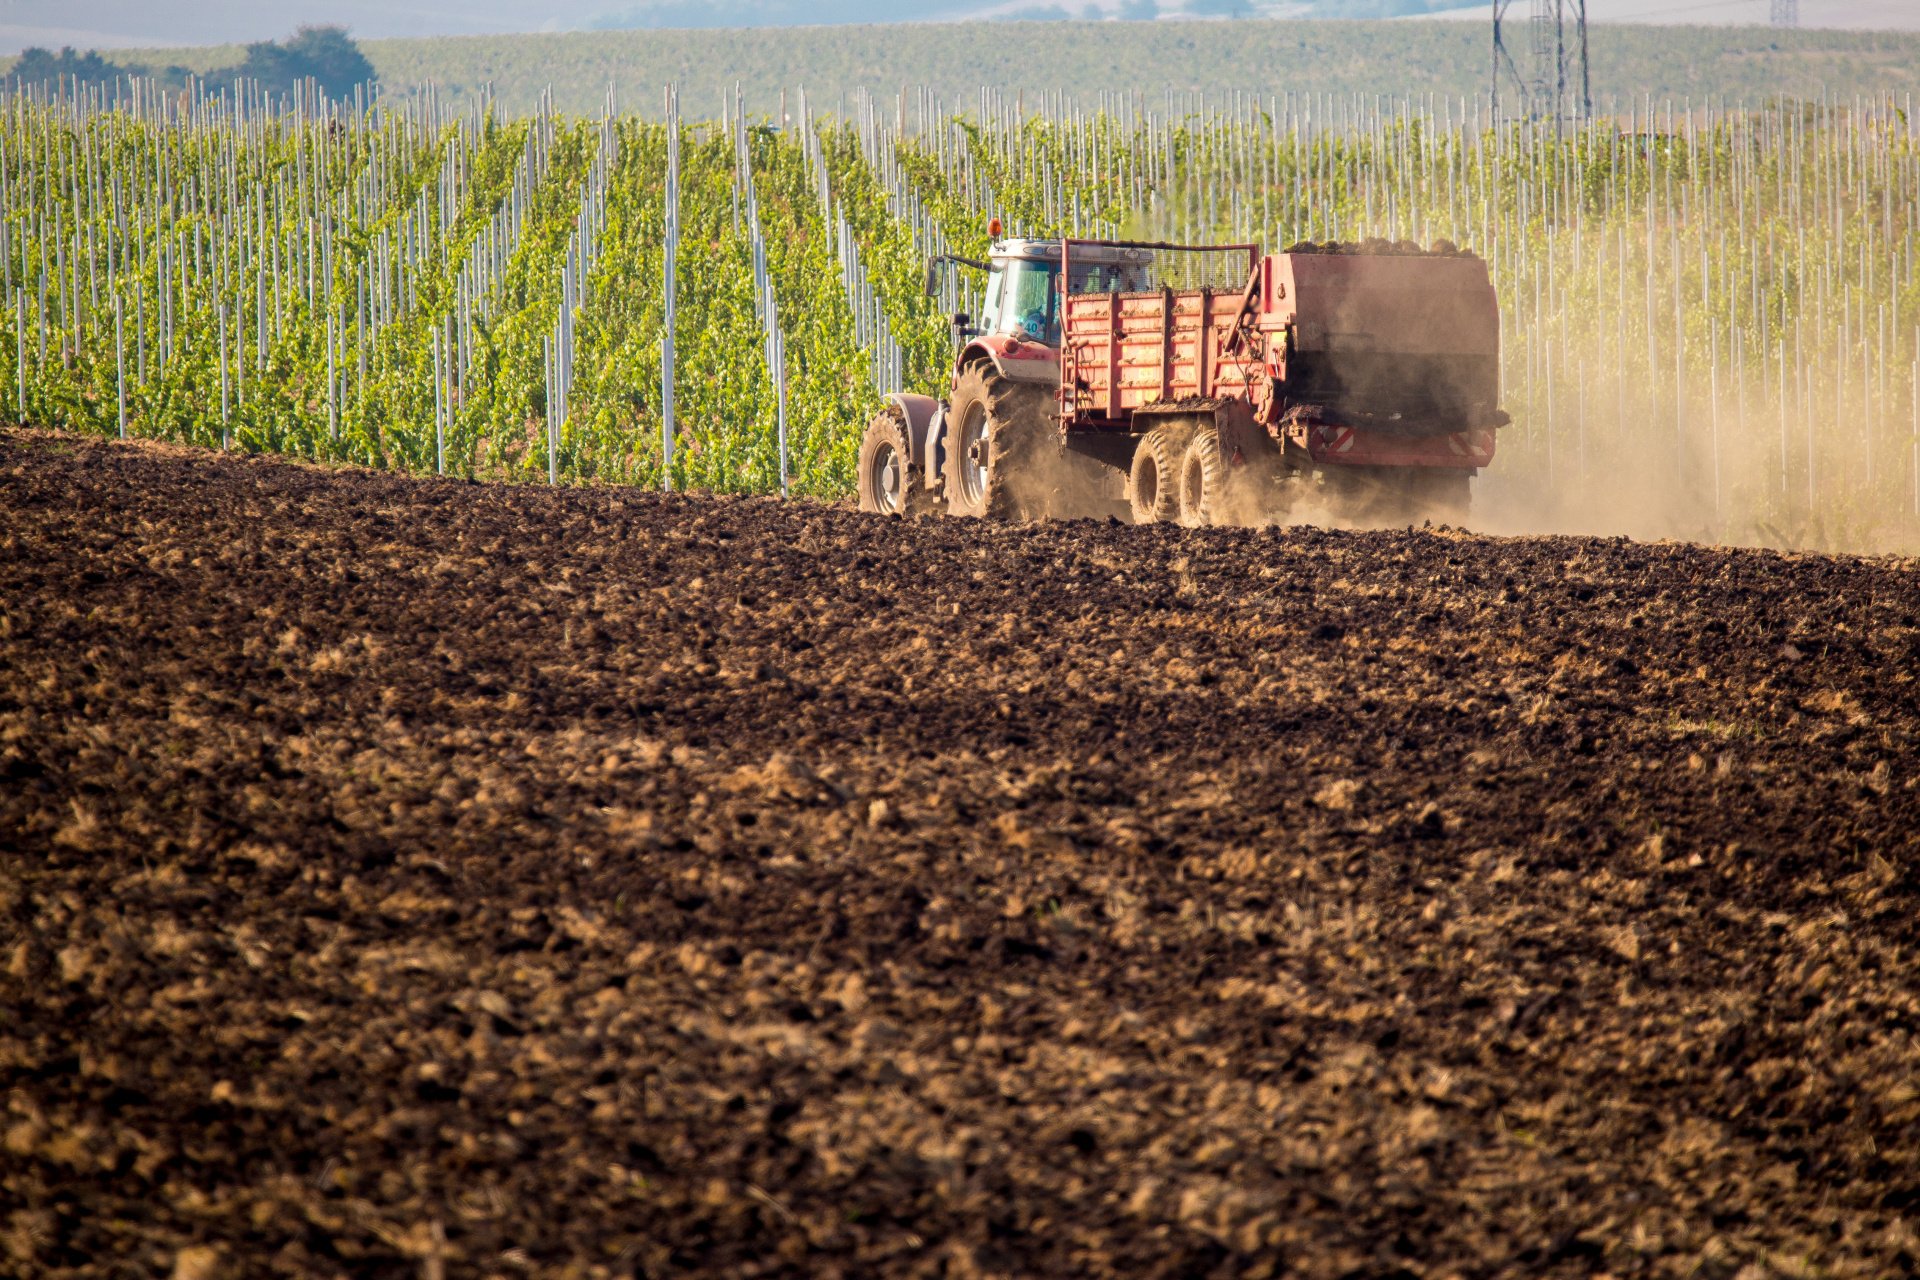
[889, 483]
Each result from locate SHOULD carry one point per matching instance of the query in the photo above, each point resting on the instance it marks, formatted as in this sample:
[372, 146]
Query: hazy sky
[1900, 15]
[116, 23]
[120, 23]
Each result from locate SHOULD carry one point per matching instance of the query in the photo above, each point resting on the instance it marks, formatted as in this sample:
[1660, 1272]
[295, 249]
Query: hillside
[1445, 58]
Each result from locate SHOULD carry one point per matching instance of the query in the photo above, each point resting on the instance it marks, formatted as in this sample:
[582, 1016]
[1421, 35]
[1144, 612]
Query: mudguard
[923, 415]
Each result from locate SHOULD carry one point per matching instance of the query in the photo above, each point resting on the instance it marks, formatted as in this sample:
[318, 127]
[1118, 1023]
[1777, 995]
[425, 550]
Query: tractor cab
[1023, 283]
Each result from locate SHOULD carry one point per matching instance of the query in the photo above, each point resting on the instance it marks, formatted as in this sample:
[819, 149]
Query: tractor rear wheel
[889, 483]
[996, 444]
[1153, 482]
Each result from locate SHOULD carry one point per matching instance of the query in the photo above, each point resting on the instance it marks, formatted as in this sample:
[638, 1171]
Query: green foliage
[243, 222]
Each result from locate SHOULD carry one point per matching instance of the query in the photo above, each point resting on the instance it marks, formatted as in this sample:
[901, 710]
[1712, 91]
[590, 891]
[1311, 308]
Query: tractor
[1362, 376]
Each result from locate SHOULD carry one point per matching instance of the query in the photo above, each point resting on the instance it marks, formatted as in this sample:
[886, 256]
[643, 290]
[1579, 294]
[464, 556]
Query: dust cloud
[1728, 470]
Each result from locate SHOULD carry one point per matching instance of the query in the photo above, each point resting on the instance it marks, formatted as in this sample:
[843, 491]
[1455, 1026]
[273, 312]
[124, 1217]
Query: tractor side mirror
[961, 319]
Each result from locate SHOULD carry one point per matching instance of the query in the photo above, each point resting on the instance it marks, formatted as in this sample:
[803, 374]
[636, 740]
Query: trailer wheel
[995, 430]
[889, 484]
[1203, 481]
[1153, 482]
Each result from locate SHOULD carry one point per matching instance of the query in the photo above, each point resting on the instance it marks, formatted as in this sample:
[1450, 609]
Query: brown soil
[420, 879]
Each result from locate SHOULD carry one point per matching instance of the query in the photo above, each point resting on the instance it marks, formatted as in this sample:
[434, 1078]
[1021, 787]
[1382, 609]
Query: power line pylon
[1548, 79]
[1786, 13]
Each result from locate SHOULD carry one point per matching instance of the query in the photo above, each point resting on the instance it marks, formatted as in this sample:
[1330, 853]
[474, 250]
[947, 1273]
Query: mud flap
[1243, 441]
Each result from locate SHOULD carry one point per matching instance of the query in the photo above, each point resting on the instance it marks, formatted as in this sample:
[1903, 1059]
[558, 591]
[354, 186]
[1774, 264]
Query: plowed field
[412, 878]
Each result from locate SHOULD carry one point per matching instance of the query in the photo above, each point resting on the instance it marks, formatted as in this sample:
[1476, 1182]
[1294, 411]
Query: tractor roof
[1049, 251]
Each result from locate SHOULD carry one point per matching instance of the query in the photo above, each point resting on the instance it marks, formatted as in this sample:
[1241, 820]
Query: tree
[325, 55]
[38, 66]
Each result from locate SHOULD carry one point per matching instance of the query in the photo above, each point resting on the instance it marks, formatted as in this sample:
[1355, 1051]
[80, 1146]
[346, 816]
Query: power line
[1548, 79]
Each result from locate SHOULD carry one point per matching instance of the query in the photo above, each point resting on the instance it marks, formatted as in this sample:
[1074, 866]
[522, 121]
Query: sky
[133, 23]
[1858, 15]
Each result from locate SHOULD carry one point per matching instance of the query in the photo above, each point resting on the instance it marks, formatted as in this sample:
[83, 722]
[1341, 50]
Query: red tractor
[1363, 375]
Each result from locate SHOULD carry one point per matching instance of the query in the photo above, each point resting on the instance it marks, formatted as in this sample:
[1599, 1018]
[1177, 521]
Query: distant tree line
[324, 55]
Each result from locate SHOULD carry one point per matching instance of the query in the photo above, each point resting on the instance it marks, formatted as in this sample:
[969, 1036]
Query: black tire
[996, 442]
[889, 484]
[1153, 481]
[1203, 481]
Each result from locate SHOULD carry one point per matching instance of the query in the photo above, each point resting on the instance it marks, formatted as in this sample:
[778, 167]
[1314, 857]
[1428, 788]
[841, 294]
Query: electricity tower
[1786, 13]
[1543, 67]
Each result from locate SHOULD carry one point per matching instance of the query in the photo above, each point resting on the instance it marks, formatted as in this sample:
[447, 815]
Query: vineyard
[1712, 325]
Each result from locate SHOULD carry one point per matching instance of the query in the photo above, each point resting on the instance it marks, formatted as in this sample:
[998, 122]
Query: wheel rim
[973, 450]
[888, 479]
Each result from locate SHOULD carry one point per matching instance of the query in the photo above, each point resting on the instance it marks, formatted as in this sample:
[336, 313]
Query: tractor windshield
[1021, 299]
[1023, 295]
